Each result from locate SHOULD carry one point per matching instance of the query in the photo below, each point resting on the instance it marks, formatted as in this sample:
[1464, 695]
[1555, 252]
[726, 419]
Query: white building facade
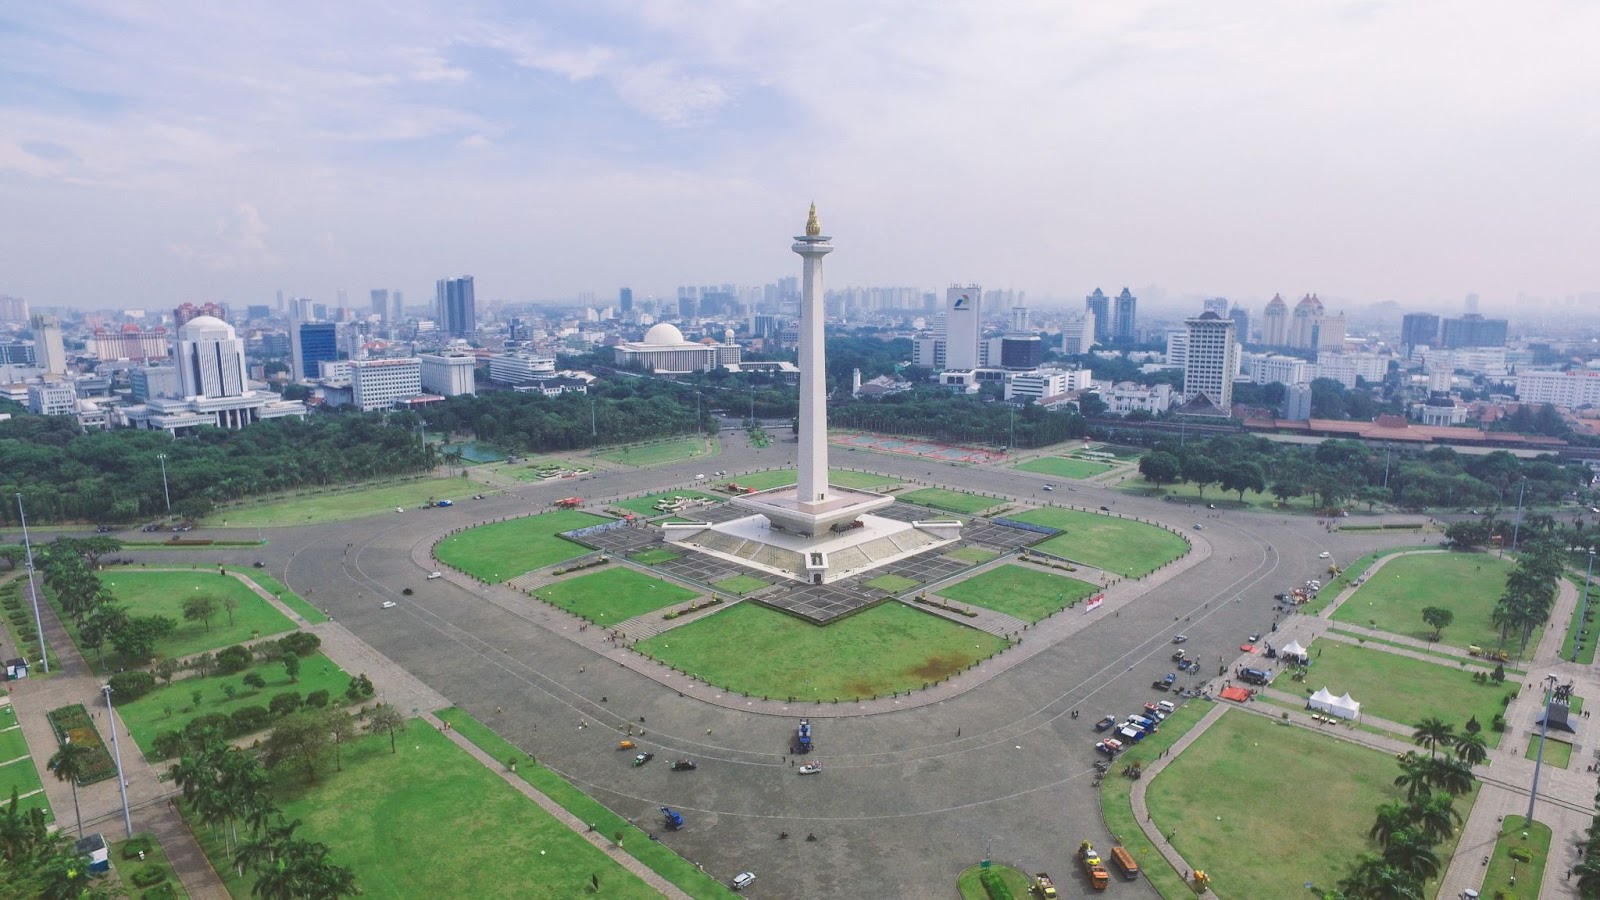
[1570, 389]
[381, 383]
[449, 374]
[1213, 358]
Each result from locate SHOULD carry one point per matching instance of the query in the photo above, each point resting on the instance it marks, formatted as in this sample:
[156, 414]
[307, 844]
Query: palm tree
[70, 764]
[1392, 817]
[1413, 775]
[1435, 815]
[1411, 852]
[1588, 872]
[1471, 749]
[1431, 732]
[1451, 775]
[1375, 879]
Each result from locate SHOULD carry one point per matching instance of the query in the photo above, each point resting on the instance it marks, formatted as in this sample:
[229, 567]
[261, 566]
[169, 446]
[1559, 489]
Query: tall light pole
[594, 432]
[122, 785]
[1544, 729]
[164, 491]
[1583, 609]
[1385, 465]
[33, 589]
[1518, 526]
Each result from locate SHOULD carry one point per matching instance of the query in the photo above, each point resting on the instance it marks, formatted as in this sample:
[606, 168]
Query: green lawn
[646, 506]
[953, 501]
[1028, 594]
[661, 453]
[1120, 546]
[147, 716]
[334, 504]
[1216, 797]
[504, 550]
[740, 585]
[20, 776]
[1116, 805]
[654, 854]
[1063, 468]
[864, 481]
[655, 556]
[540, 466]
[12, 743]
[154, 858]
[430, 821]
[892, 584]
[613, 595]
[970, 883]
[974, 555]
[1556, 753]
[764, 653]
[149, 593]
[290, 598]
[1467, 584]
[1586, 646]
[1336, 585]
[1400, 688]
[1502, 868]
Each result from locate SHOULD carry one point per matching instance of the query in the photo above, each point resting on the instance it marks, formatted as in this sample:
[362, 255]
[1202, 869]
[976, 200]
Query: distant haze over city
[1368, 152]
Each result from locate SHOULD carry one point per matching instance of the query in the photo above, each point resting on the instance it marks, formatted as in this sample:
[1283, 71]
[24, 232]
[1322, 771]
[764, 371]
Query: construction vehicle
[1044, 887]
[1096, 872]
[1123, 860]
[569, 502]
[803, 737]
[674, 819]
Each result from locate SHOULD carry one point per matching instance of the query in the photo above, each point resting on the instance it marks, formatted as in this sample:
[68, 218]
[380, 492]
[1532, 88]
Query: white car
[399, 509]
[389, 604]
[433, 575]
[1324, 555]
[743, 880]
[811, 768]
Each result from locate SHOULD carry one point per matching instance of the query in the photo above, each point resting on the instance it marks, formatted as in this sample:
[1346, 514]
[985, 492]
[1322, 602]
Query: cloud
[237, 241]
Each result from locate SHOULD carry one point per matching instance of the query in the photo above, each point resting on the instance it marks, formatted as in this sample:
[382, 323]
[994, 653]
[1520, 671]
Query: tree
[301, 738]
[1435, 815]
[1471, 749]
[1373, 878]
[254, 681]
[1201, 471]
[1410, 851]
[230, 603]
[385, 717]
[1392, 817]
[1413, 775]
[70, 764]
[291, 665]
[1439, 617]
[137, 639]
[1431, 732]
[342, 729]
[1160, 468]
[200, 608]
[1450, 775]
[1243, 475]
[167, 669]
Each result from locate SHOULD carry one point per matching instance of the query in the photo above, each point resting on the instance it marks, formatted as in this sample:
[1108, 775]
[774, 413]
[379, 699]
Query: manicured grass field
[661, 453]
[1556, 753]
[954, 501]
[655, 556]
[504, 550]
[654, 854]
[430, 821]
[12, 743]
[1467, 584]
[1497, 877]
[761, 652]
[1116, 805]
[739, 584]
[21, 776]
[147, 716]
[1064, 468]
[334, 505]
[1120, 546]
[1214, 799]
[1028, 594]
[645, 506]
[613, 595]
[974, 555]
[290, 598]
[893, 584]
[1400, 688]
[864, 481]
[1586, 646]
[154, 858]
[148, 593]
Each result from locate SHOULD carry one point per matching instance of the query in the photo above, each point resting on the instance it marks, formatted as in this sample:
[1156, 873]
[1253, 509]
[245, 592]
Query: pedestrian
[958, 732]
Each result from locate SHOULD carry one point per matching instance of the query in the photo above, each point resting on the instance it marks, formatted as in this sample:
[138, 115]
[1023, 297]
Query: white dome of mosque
[664, 335]
[727, 336]
[205, 328]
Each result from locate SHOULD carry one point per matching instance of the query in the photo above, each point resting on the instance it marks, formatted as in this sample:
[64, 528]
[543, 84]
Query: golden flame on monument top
[813, 227]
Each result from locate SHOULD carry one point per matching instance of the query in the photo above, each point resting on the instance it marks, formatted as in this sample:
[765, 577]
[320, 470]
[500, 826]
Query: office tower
[49, 350]
[280, 301]
[1472, 330]
[1212, 359]
[1077, 334]
[1305, 323]
[380, 305]
[13, 309]
[1418, 330]
[187, 312]
[1241, 323]
[449, 374]
[397, 306]
[210, 359]
[456, 306]
[377, 384]
[1297, 402]
[1218, 305]
[255, 312]
[317, 342]
[625, 300]
[1178, 349]
[1098, 305]
[303, 308]
[1275, 323]
[1019, 320]
[1126, 314]
[963, 324]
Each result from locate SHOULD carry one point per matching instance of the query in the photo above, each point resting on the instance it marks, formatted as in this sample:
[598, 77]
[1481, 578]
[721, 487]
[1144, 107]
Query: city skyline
[1362, 152]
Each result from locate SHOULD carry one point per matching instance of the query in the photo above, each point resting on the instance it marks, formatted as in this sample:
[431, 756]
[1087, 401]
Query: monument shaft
[812, 484]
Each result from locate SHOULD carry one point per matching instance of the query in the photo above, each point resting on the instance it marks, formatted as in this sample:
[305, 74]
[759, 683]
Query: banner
[1094, 603]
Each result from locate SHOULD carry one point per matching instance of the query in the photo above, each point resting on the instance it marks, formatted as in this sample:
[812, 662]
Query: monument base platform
[753, 541]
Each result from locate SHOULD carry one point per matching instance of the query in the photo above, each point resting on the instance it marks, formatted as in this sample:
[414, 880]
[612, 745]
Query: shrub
[301, 644]
[136, 846]
[360, 688]
[233, 659]
[162, 891]
[167, 744]
[248, 720]
[254, 681]
[1521, 854]
[317, 699]
[149, 875]
[992, 884]
[210, 721]
[127, 686]
[286, 703]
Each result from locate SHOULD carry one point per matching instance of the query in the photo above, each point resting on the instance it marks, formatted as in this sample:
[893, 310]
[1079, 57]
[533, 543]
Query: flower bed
[73, 723]
[697, 605]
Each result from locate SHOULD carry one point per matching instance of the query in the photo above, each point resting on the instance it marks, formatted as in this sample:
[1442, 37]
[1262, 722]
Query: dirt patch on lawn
[939, 666]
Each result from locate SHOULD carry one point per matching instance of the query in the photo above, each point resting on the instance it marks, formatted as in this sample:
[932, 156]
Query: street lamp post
[1544, 729]
[164, 491]
[1515, 528]
[1583, 609]
[33, 589]
[122, 784]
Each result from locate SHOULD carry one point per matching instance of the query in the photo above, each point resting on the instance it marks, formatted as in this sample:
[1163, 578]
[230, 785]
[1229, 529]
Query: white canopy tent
[1342, 707]
[1294, 651]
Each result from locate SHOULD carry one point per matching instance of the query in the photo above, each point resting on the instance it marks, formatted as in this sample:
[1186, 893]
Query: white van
[433, 575]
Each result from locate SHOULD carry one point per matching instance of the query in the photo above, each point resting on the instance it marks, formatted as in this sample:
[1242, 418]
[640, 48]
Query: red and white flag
[1094, 602]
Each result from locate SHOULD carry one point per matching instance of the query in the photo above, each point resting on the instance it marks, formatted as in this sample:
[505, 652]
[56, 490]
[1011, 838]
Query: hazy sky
[181, 150]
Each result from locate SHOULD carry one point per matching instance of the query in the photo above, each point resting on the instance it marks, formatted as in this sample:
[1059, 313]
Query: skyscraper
[380, 305]
[1305, 324]
[48, 348]
[210, 359]
[1275, 323]
[457, 307]
[188, 311]
[1218, 305]
[1418, 330]
[317, 342]
[1077, 333]
[963, 324]
[1099, 305]
[1212, 358]
[1241, 323]
[625, 300]
[1126, 315]
[1472, 330]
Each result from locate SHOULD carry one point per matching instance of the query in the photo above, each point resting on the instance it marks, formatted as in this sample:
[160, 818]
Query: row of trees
[1531, 589]
[115, 476]
[959, 419]
[93, 608]
[1408, 832]
[1336, 472]
[625, 410]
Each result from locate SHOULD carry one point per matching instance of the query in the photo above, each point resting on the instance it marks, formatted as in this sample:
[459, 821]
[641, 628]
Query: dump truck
[1098, 877]
[1123, 860]
[569, 502]
[1044, 887]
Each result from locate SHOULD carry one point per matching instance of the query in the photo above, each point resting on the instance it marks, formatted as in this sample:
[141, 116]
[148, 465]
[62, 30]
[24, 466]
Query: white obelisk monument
[813, 414]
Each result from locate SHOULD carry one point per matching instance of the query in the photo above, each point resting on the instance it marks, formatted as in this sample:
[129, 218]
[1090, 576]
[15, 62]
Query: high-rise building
[1077, 333]
[1305, 324]
[1472, 330]
[397, 306]
[1019, 320]
[48, 347]
[1419, 330]
[1178, 349]
[1098, 305]
[1125, 312]
[963, 324]
[380, 305]
[185, 312]
[312, 342]
[449, 374]
[1241, 323]
[154, 381]
[13, 309]
[1297, 402]
[1212, 360]
[457, 307]
[1218, 305]
[380, 383]
[130, 342]
[210, 359]
[625, 300]
[1275, 323]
